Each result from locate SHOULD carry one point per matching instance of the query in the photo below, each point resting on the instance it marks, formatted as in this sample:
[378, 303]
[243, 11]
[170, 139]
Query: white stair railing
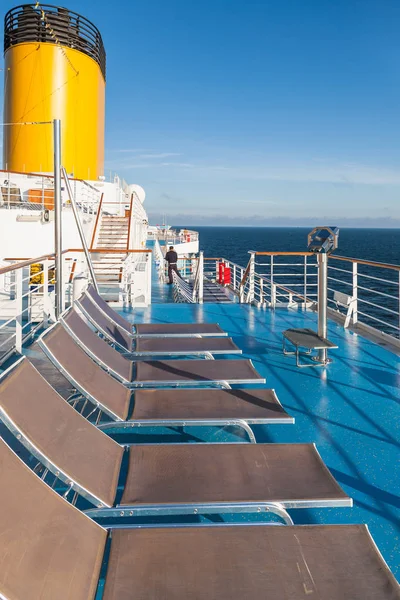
[159, 261]
[197, 294]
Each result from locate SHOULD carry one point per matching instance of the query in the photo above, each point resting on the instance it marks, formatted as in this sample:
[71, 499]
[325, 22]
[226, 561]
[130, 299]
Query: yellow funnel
[54, 69]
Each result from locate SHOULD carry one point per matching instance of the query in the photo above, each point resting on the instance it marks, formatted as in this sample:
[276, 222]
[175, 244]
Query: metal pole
[201, 276]
[57, 215]
[80, 229]
[355, 293]
[322, 302]
[252, 271]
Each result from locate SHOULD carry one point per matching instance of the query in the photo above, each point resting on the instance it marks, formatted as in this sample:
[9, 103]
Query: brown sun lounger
[219, 407]
[82, 371]
[169, 478]
[113, 398]
[99, 350]
[49, 549]
[208, 406]
[124, 336]
[155, 329]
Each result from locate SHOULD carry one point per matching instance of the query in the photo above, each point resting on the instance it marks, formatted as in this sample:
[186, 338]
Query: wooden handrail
[26, 263]
[366, 262]
[284, 253]
[71, 275]
[112, 250]
[97, 220]
[213, 258]
[129, 222]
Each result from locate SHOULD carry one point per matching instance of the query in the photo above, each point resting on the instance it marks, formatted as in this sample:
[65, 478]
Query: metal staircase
[113, 234]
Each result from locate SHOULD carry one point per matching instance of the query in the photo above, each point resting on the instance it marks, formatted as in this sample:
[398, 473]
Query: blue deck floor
[349, 409]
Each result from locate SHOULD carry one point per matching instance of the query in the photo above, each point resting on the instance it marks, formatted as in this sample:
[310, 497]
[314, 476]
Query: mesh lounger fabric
[323, 562]
[208, 403]
[185, 473]
[77, 448]
[206, 329]
[84, 373]
[49, 550]
[99, 347]
[188, 345]
[211, 329]
[112, 314]
[111, 330]
[196, 370]
[104, 353]
[158, 474]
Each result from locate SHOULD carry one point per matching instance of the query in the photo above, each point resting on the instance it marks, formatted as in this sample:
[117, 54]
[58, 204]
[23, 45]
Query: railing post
[149, 258]
[355, 293]
[18, 309]
[273, 295]
[201, 277]
[43, 206]
[251, 276]
[57, 214]
[271, 273]
[305, 281]
[8, 191]
[322, 302]
[261, 291]
[241, 287]
[46, 308]
[63, 284]
[234, 277]
[216, 271]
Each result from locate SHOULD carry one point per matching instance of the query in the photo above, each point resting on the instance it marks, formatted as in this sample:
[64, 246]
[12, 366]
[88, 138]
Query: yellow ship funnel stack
[55, 66]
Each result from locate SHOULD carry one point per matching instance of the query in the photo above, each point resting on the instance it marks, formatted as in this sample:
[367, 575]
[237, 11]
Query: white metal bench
[345, 301]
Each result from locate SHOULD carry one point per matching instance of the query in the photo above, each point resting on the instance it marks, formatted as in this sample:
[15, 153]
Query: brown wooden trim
[284, 253]
[97, 220]
[71, 275]
[26, 263]
[112, 250]
[366, 262]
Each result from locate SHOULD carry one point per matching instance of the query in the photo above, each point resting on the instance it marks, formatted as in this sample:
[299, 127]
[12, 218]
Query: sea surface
[379, 288]
[233, 243]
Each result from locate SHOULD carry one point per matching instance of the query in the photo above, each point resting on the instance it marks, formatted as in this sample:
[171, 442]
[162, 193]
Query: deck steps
[113, 233]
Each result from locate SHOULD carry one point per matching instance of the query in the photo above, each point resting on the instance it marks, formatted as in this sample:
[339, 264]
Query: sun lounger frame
[118, 423]
[41, 578]
[134, 335]
[115, 344]
[207, 354]
[143, 384]
[105, 511]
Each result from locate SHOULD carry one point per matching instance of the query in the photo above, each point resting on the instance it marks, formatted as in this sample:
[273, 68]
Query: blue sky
[258, 110]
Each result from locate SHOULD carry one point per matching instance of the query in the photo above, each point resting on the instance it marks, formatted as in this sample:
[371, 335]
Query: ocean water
[378, 291]
[233, 243]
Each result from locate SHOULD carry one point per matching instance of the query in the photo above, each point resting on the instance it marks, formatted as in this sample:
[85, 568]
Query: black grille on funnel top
[53, 24]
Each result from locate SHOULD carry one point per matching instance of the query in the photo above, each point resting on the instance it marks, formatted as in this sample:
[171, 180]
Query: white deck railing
[27, 292]
[366, 293]
[27, 298]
